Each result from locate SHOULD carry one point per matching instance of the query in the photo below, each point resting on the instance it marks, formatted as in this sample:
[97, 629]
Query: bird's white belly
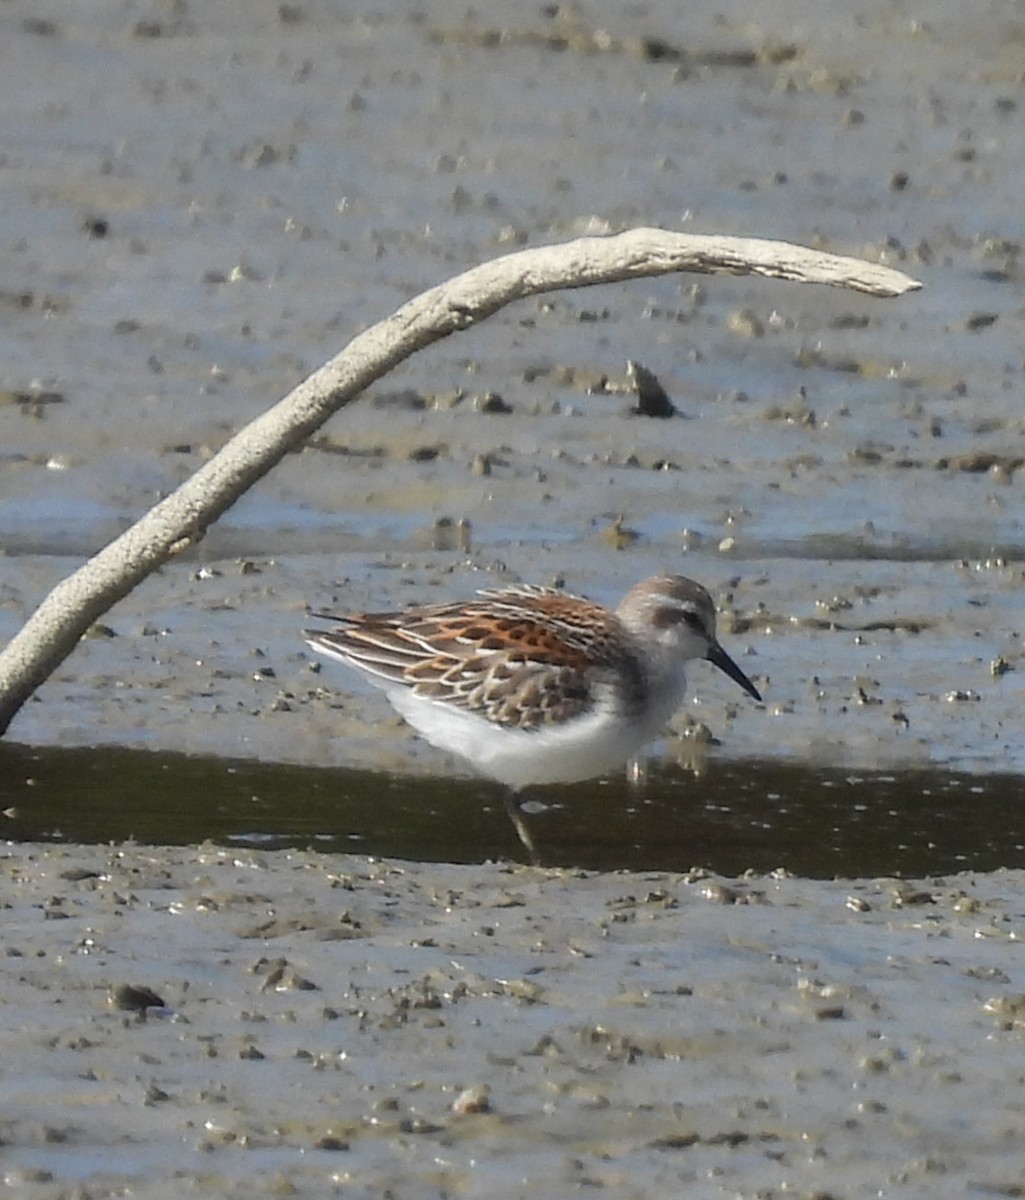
[594, 744]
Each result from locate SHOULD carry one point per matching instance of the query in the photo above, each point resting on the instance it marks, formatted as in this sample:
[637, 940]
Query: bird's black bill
[718, 657]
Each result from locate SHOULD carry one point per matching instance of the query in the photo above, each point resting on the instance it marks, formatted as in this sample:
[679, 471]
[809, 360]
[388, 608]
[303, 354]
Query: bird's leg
[512, 807]
[636, 773]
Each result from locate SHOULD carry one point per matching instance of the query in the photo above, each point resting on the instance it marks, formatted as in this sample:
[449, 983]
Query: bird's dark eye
[664, 617]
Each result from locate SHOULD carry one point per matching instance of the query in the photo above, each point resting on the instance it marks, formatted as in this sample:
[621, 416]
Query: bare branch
[54, 629]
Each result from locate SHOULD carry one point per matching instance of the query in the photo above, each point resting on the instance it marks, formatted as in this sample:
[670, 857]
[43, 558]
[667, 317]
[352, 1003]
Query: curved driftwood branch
[54, 629]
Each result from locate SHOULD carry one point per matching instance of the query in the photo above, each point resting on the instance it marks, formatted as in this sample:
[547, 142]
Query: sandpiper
[533, 685]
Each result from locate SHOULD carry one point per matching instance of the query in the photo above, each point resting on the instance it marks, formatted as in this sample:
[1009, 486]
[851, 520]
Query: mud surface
[243, 1024]
[202, 203]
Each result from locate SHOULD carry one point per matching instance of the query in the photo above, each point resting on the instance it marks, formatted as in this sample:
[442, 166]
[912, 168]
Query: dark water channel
[734, 816]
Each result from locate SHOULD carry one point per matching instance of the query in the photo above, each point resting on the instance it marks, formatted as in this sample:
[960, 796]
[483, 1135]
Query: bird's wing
[520, 657]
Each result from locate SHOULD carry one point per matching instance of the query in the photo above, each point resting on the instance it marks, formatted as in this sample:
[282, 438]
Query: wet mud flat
[204, 203]
[199, 1021]
[844, 474]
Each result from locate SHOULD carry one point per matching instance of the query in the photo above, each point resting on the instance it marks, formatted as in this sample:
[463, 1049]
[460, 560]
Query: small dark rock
[407, 400]
[491, 402]
[40, 26]
[652, 399]
[132, 998]
[979, 321]
[330, 1142]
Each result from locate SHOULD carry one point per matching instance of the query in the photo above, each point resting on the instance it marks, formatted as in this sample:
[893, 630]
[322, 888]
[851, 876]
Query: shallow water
[729, 817]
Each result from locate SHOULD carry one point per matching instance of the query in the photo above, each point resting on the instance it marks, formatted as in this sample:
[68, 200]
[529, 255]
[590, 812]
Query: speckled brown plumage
[520, 657]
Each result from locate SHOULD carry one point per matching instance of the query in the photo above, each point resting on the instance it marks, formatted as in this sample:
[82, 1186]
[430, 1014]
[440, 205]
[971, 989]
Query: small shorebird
[532, 685]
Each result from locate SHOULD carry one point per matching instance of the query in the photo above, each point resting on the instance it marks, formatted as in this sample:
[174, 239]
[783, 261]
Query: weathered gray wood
[180, 520]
